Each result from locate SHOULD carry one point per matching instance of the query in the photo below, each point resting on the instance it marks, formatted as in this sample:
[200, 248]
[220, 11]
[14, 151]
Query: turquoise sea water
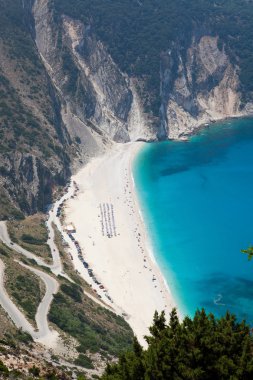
[197, 202]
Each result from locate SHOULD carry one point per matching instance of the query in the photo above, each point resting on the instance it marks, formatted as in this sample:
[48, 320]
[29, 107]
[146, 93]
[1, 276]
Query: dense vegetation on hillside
[31, 234]
[95, 328]
[91, 334]
[24, 86]
[30, 123]
[136, 32]
[24, 287]
[202, 348]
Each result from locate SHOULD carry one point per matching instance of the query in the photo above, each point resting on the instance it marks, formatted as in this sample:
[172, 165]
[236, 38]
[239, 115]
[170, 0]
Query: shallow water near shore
[196, 198]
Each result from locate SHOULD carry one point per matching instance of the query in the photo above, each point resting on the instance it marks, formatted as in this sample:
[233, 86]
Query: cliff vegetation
[203, 348]
[137, 32]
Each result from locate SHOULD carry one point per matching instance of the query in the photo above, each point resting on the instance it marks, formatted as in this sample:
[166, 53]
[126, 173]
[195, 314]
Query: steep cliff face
[102, 100]
[70, 88]
[198, 87]
[29, 181]
[100, 103]
[35, 147]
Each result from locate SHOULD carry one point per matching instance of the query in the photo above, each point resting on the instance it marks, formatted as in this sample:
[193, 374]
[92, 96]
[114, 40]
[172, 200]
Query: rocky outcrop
[35, 147]
[95, 93]
[198, 86]
[101, 79]
[57, 115]
[29, 182]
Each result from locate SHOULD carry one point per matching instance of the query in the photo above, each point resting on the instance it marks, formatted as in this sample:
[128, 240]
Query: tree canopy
[201, 348]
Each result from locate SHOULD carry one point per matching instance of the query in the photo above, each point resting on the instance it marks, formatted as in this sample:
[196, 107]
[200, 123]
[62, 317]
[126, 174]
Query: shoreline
[122, 258]
[186, 135]
[151, 249]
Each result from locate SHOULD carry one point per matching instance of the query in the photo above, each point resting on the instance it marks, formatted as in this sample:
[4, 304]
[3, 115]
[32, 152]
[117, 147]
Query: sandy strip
[106, 205]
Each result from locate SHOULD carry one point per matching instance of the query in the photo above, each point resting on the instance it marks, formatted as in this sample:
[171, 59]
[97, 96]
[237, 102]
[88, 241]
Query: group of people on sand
[130, 204]
[80, 255]
[107, 220]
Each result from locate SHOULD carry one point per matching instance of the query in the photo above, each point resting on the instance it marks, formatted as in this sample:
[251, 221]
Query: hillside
[76, 75]
[136, 33]
[65, 320]
[181, 57]
[33, 137]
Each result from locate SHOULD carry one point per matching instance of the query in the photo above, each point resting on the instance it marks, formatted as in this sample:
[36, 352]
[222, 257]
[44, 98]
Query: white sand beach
[113, 239]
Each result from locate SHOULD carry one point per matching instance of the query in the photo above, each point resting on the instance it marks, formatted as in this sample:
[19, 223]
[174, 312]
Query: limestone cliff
[66, 97]
[35, 147]
[198, 87]
[95, 94]
[99, 102]
[30, 181]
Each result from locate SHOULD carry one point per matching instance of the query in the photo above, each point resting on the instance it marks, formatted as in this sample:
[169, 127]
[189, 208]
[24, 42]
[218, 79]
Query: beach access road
[55, 267]
[57, 264]
[15, 314]
[43, 333]
[4, 236]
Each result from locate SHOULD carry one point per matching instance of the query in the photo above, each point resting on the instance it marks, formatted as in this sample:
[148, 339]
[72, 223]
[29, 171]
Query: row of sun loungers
[107, 220]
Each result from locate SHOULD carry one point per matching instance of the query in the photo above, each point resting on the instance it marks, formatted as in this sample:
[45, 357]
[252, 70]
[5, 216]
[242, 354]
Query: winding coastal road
[15, 314]
[55, 267]
[4, 236]
[43, 333]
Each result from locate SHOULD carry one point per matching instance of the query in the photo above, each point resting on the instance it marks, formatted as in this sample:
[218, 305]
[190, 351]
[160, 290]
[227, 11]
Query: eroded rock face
[35, 145]
[199, 87]
[110, 96]
[89, 103]
[29, 182]
[102, 98]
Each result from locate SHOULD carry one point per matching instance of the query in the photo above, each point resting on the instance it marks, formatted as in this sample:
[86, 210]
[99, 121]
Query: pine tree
[202, 348]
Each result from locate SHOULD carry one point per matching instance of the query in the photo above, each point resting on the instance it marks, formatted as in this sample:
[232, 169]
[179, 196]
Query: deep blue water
[197, 201]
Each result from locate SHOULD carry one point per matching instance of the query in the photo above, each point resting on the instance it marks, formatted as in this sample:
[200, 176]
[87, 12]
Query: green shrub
[95, 328]
[84, 361]
[23, 337]
[74, 291]
[3, 369]
[32, 240]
